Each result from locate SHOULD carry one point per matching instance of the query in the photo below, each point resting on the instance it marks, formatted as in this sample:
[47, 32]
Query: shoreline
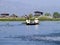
[22, 19]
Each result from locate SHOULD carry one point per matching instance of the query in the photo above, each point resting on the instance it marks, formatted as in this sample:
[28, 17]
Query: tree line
[55, 15]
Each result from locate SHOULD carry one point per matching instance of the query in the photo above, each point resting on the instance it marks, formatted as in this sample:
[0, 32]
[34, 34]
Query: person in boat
[28, 20]
[36, 21]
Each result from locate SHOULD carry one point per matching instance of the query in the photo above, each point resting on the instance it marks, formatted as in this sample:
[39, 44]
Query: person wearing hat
[36, 21]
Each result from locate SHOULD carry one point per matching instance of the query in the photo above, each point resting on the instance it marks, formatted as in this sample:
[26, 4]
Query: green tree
[47, 14]
[56, 15]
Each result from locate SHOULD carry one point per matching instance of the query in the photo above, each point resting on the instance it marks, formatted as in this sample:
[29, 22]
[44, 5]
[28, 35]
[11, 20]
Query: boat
[32, 23]
[35, 22]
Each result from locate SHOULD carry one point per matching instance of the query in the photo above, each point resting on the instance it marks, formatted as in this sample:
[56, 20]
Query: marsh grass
[23, 19]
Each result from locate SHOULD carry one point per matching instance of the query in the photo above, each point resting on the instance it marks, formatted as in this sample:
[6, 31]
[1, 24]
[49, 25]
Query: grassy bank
[23, 19]
[53, 19]
[12, 19]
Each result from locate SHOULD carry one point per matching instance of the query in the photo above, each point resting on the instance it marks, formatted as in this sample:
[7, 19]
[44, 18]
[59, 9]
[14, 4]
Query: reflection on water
[16, 33]
[36, 27]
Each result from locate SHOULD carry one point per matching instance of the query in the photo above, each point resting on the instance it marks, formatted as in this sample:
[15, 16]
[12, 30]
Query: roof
[4, 14]
[38, 12]
[13, 15]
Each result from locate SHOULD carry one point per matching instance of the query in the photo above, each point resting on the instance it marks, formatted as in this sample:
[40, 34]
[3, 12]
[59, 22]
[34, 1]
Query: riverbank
[23, 19]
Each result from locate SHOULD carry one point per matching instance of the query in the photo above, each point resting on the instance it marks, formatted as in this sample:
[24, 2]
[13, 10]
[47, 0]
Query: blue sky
[22, 7]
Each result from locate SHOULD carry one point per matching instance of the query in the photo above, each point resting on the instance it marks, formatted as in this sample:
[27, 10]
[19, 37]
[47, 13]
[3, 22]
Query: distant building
[38, 13]
[4, 15]
[13, 15]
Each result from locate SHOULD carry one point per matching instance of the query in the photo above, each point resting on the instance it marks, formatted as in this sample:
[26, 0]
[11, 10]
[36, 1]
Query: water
[16, 33]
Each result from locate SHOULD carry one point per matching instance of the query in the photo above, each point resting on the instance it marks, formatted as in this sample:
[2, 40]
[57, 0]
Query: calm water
[16, 33]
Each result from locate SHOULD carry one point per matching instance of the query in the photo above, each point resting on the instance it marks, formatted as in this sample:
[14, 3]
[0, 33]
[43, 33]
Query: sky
[22, 7]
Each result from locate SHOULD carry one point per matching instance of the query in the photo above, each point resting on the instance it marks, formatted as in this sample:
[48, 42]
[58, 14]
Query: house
[13, 15]
[38, 13]
[4, 15]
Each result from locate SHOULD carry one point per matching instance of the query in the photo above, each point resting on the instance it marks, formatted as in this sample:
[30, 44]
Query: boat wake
[37, 38]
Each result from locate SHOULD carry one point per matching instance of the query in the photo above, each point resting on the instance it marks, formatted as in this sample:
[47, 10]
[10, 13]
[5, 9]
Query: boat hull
[32, 23]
